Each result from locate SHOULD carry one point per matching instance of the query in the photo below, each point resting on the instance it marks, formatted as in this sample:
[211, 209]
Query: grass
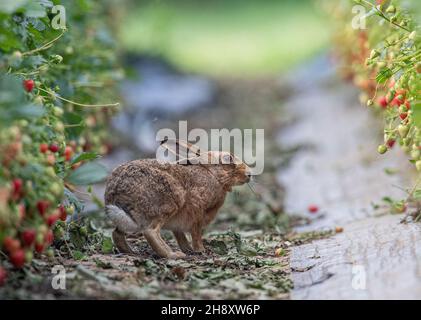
[226, 37]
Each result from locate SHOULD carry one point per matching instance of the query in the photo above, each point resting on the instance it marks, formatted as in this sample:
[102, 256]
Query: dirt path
[341, 172]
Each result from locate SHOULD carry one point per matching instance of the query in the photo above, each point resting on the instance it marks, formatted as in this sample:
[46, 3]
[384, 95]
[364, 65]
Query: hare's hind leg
[182, 241]
[153, 236]
[120, 242]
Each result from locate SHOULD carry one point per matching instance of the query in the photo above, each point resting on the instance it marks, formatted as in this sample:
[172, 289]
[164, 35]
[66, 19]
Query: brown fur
[180, 198]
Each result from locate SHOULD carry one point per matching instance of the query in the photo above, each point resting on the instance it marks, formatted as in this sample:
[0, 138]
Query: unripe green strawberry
[50, 172]
[374, 54]
[59, 126]
[403, 130]
[58, 112]
[39, 100]
[83, 231]
[58, 232]
[56, 189]
[406, 142]
[28, 256]
[50, 253]
[412, 35]
[42, 229]
[382, 149]
[391, 9]
[415, 154]
[70, 209]
[405, 149]
[381, 64]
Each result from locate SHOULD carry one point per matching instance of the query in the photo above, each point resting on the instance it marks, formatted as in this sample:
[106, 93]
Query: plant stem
[80, 104]
[44, 46]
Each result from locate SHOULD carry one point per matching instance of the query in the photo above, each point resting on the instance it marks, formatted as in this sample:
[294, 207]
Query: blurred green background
[231, 37]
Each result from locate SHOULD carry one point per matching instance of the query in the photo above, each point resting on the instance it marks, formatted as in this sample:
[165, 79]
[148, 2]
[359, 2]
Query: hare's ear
[227, 158]
[183, 150]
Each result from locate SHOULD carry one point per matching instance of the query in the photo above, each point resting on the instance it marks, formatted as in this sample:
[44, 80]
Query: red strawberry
[10, 244]
[39, 247]
[383, 102]
[28, 237]
[403, 115]
[3, 276]
[28, 85]
[17, 258]
[52, 219]
[51, 159]
[49, 237]
[407, 104]
[22, 211]
[43, 147]
[53, 147]
[396, 102]
[390, 143]
[42, 207]
[68, 153]
[400, 92]
[17, 188]
[17, 185]
[63, 213]
[313, 208]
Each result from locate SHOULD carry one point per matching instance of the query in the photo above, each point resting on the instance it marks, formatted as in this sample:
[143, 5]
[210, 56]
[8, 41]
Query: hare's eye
[227, 159]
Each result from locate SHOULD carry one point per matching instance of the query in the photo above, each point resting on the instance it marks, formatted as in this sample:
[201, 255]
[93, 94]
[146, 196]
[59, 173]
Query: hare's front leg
[153, 236]
[120, 242]
[182, 241]
[196, 235]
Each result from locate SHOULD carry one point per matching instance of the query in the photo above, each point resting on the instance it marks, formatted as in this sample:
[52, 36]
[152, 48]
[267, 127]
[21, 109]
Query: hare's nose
[249, 175]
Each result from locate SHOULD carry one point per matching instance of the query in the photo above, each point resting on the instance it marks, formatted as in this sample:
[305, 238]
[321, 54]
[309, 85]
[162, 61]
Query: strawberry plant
[383, 58]
[54, 91]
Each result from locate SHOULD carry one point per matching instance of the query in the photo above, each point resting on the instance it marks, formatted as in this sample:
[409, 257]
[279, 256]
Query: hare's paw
[120, 242]
[176, 255]
[199, 248]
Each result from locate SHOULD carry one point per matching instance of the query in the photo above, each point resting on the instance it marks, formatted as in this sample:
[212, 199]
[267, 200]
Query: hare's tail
[121, 219]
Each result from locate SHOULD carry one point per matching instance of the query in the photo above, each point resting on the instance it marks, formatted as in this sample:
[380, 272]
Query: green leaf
[10, 6]
[78, 255]
[89, 173]
[107, 245]
[416, 114]
[417, 194]
[28, 111]
[35, 10]
[84, 156]
[72, 199]
[77, 123]
[219, 247]
[384, 75]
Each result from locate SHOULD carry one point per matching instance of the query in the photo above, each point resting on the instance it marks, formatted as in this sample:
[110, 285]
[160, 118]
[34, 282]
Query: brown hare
[149, 195]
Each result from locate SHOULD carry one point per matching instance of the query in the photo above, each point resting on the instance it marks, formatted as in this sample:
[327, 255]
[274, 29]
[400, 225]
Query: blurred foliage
[226, 37]
[384, 60]
[55, 89]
